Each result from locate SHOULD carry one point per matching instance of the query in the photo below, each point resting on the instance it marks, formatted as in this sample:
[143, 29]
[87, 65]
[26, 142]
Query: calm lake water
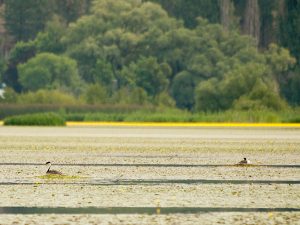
[141, 175]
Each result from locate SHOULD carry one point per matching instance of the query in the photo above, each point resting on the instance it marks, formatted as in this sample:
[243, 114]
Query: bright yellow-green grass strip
[177, 124]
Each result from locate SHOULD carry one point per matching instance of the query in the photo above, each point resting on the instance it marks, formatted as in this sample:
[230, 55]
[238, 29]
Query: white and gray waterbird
[245, 161]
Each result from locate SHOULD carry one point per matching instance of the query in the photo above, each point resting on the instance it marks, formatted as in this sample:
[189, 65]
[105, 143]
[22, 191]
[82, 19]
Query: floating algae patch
[60, 177]
[245, 165]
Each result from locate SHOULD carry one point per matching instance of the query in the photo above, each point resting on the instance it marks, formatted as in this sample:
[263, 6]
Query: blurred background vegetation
[155, 60]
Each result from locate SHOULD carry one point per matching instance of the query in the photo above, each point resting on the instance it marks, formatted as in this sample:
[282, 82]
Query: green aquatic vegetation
[245, 165]
[59, 177]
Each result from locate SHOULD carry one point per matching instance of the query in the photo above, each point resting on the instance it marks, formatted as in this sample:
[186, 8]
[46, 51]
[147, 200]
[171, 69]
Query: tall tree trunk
[225, 13]
[281, 8]
[5, 41]
[251, 24]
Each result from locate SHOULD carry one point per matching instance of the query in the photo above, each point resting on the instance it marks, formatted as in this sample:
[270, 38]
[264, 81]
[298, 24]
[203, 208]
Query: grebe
[52, 171]
[245, 161]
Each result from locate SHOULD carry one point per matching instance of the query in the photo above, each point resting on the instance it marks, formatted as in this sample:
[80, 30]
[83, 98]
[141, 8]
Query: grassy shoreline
[163, 117]
[182, 124]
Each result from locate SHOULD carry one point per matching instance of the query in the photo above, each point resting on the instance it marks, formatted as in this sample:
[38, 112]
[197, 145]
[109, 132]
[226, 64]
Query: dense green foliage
[175, 115]
[25, 18]
[47, 70]
[67, 110]
[2, 67]
[121, 113]
[46, 97]
[290, 29]
[189, 10]
[41, 119]
[206, 53]
[70, 10]
[152, 53]
[290, 38]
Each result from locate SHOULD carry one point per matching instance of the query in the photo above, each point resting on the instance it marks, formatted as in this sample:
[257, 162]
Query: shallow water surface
[150, 175]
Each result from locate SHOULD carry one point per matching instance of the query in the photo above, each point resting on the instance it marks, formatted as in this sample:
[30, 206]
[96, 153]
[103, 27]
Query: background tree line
[206, 55]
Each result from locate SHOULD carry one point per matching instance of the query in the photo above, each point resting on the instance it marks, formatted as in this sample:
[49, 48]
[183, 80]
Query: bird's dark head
[245, 159]
[47, 163]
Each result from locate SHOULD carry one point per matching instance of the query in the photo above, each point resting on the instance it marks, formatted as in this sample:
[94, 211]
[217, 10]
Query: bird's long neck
[49, 168]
